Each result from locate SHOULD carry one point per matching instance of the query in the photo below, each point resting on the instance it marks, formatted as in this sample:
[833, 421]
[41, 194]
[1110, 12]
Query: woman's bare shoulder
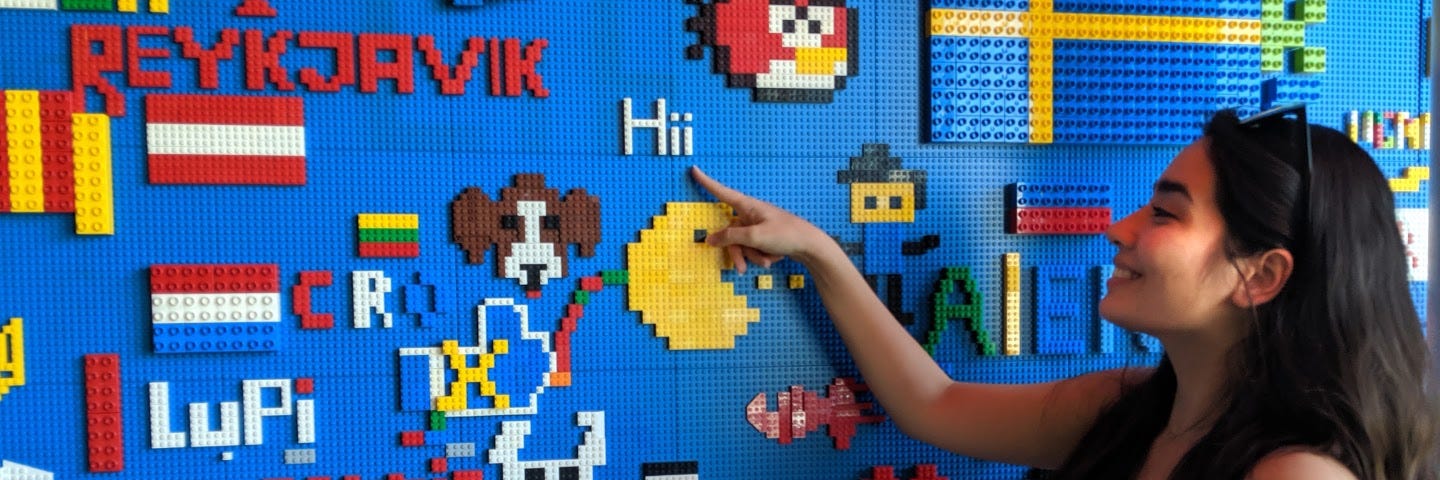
[1300, 464]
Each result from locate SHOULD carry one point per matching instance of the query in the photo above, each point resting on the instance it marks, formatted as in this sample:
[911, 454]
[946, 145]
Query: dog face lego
[531, 226]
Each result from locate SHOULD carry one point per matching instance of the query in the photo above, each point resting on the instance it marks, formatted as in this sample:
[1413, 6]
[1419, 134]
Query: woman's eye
[1160, 212]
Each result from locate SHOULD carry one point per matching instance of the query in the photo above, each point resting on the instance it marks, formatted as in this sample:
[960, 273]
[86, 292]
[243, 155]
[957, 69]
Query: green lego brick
[1307, 60]
[582, 297]
[437, 420]
[389, 235]
[1272, 58]
[1272, 10]
[615, 277]
[88, 5]
[1310, 11]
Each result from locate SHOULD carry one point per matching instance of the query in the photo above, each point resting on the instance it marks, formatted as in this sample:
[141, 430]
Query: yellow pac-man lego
[675, 280]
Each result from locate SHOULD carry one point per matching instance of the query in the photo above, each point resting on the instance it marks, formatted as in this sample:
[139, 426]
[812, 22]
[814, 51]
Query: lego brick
[88, 5]
[255, 8]
[589, 454]
[812, 56]
[530, 225]
[1116, 109]
[215, 307]
[670, 471]
[23, 125]
[1307, 60]
[94, 184]
[667, 263]
[12, 355]
[31, 4]
[799, 412]
[218, 140]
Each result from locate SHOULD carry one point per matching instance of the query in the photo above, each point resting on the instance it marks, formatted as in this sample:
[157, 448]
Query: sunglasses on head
[1300, 136]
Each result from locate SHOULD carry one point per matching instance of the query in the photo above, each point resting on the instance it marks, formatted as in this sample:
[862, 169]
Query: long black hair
[1336, 363]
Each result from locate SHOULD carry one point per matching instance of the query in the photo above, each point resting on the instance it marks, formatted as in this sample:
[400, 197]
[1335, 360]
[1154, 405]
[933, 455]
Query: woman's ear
[1262, 276]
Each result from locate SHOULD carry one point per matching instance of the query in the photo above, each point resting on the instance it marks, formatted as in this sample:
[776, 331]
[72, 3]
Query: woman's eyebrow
[1171, 186]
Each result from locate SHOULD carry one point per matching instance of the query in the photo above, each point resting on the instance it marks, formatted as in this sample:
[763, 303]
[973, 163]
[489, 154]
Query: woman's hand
[761, 233]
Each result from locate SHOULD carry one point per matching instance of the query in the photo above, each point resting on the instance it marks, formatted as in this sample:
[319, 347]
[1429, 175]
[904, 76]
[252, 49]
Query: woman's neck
[1201, 373]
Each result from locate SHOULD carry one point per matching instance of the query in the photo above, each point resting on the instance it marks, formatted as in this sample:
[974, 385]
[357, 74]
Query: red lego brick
[882, 472]
[105, 439]
[412, 438]
[142, 78]
[57, 151]
[86, 65]
[439, 465]
[452, 80]
[344, 46]
[262, 60]
[522, 69]
[467, 475]
[1057, 221]
[305, 386]
[402, 70]
[389, 250]
[592, 284]
[207, 60]
[246, 278]
[300, 303]
[255, 8]
[927, 471]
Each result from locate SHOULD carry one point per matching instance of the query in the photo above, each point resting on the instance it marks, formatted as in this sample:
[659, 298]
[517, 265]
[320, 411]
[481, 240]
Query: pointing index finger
[719, 190]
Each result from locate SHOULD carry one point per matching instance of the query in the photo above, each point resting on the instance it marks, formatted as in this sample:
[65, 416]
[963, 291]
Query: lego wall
[454, 238]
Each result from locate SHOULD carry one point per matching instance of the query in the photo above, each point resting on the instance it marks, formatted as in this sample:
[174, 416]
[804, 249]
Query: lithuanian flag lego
[389, 235]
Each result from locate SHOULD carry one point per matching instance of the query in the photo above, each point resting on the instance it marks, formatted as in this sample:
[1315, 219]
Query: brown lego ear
[474, 221]
[580, 221]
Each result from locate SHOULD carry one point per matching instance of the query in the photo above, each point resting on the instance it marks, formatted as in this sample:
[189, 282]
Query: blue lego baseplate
[495, 89]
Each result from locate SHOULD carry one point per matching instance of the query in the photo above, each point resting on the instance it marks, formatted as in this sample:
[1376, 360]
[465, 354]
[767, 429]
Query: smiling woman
[1276, 280]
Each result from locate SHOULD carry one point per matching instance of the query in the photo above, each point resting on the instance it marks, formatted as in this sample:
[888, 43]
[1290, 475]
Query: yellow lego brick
[1013, 325]
[797, 282]
[94, 191]
[500, 346]
[1410, 178]
[22, 124]
[12, 355]
[502, 401]
[452, 403]
[1042, 103]
[487, 389]
[675, 281]
[450, 348]
[159, 6]
[818, 61]
[127, 6]
[1010, 311]
[764, 282]
[876, 202]
[389, 220]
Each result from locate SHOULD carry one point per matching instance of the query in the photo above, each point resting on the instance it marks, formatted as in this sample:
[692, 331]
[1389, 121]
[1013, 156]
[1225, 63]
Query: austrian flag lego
[225, 140]
[215, 308]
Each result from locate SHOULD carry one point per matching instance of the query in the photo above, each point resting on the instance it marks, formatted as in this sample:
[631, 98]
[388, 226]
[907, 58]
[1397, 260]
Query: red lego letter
[142, 78]
[207, 61]
[86, 65]
[372, 69]
[344, 46]
[452, 83]
[262, 60]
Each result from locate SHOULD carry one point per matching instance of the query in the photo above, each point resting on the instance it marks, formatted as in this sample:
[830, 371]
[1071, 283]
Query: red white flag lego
[225, 140]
